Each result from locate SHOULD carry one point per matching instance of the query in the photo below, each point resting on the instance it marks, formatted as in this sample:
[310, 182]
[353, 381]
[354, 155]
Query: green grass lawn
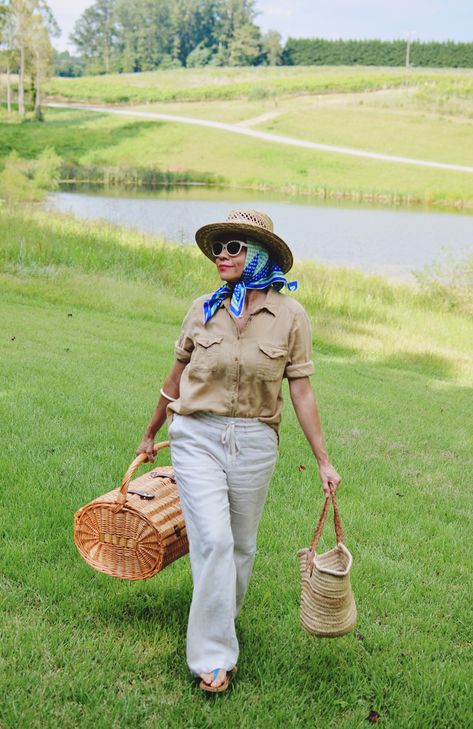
[391, 129]
[89, 315]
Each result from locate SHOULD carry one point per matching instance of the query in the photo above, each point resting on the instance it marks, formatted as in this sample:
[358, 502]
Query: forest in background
[116, 36]
[323, 52]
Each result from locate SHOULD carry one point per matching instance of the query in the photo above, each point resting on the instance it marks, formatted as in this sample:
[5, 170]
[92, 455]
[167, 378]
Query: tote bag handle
[320, 526]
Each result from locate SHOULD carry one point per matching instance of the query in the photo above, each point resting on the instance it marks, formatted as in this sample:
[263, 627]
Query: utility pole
[409, 35]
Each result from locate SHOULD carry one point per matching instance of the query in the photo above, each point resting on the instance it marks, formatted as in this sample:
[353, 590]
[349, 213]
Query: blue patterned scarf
[259, 273]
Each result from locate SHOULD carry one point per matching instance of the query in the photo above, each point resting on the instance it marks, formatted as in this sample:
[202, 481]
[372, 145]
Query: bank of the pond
[150, 178]
[404, 324]
[395, 242]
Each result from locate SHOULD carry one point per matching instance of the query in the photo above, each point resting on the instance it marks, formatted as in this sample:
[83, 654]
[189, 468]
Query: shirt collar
[271, 303]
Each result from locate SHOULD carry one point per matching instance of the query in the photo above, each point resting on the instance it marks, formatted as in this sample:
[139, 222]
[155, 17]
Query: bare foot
[209, 678]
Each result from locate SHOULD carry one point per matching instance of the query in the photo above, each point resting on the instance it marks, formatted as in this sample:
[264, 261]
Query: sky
[384, 19]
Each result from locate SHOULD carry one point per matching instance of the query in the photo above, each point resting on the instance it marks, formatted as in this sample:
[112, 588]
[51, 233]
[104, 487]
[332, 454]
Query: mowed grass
[395, 128]
[89, 317]
[102, 141]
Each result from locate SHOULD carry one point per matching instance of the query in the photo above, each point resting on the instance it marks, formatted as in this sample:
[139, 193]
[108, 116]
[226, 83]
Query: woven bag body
[133, 535]
[327, 607]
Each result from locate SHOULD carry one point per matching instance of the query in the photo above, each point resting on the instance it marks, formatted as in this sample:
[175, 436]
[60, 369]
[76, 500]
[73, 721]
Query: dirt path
[266, 136]
[260, 119]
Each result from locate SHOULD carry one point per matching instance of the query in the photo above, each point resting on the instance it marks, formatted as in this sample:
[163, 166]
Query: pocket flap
[272, 351]
[208, 341]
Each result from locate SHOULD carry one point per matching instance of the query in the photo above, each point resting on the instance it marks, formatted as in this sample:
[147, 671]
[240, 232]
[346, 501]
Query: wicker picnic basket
[135, 530]
[327, 606]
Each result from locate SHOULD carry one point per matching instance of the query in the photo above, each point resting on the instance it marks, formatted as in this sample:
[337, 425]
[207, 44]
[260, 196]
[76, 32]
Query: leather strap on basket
[320, 527]
[142, 458]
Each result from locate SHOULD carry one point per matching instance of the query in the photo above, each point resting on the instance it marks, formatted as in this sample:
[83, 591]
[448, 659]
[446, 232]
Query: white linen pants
[223, 467]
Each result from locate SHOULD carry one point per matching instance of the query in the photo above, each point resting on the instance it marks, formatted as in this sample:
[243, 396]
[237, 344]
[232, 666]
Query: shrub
[450, 282]
[28, 180]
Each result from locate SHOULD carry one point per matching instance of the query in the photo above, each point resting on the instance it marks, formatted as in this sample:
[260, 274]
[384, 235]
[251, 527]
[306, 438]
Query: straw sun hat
[252, 225]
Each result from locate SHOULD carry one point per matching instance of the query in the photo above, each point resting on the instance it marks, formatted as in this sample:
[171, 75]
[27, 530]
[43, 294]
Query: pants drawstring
[229, 440]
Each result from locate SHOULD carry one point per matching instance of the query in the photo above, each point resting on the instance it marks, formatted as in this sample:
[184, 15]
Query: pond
[390, 241]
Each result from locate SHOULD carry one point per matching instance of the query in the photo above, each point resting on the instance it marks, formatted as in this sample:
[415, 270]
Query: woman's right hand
[146, 446]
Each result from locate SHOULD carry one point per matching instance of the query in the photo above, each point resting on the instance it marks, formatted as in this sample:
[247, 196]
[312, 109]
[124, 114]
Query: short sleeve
[299, 363]
[185, 344]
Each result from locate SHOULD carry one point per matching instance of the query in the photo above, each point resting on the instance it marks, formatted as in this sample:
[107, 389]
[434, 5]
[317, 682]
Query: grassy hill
[205, 84]
[89, 317]
[430, 118]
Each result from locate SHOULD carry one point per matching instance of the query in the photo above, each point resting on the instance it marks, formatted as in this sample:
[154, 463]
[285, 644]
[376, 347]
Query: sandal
[217, 689]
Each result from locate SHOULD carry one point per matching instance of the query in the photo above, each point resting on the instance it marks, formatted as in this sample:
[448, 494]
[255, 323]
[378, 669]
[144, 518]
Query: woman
[224, 393]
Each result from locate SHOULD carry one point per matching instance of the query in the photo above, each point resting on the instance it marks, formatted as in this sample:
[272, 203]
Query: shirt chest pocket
[271, 361]
[207, 352]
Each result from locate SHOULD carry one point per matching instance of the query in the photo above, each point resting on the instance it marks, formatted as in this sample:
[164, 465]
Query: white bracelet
[171, 399]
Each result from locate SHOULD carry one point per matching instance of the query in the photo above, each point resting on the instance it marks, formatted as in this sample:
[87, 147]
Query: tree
[272, 48]
[41, 64]
[194, 25]
[20, 18]
[95, 34]
[144, 34]
[119, 35]
[200, 56]
[244, 48]
[232, 16]
[67, 65]
[29, 24]
[7, 47]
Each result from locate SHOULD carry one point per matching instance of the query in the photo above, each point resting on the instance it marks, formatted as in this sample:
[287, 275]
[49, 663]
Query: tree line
[120, 36]
[123, 36]
[322, 52]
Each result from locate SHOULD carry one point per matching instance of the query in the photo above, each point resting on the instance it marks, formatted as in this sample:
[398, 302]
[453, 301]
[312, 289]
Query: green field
[205, 84]
[89, 315]
[390, 122]
[97, 144]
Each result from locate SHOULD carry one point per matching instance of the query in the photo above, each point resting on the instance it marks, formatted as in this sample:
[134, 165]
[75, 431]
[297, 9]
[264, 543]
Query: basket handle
[121, 498]
[320, 526]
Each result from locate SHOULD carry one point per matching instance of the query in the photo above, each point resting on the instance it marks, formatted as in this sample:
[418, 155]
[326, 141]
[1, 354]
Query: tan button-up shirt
[239, 373]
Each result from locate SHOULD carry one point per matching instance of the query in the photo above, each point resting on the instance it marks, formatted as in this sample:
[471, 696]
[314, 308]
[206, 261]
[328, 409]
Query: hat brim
[277, 248]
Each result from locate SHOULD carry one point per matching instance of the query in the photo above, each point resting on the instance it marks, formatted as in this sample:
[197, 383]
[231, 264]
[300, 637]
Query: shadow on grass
[69, 137]
[423, 363]
[164, 606]
[329, 346]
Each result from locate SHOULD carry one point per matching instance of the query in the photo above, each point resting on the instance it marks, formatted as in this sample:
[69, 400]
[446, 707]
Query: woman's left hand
[308, 415]
[329, 477]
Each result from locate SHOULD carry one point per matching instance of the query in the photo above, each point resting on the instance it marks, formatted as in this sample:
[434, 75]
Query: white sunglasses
[233, 247]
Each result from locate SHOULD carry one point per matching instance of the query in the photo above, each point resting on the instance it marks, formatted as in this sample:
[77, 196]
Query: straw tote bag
[136, 530]
[327, 607]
